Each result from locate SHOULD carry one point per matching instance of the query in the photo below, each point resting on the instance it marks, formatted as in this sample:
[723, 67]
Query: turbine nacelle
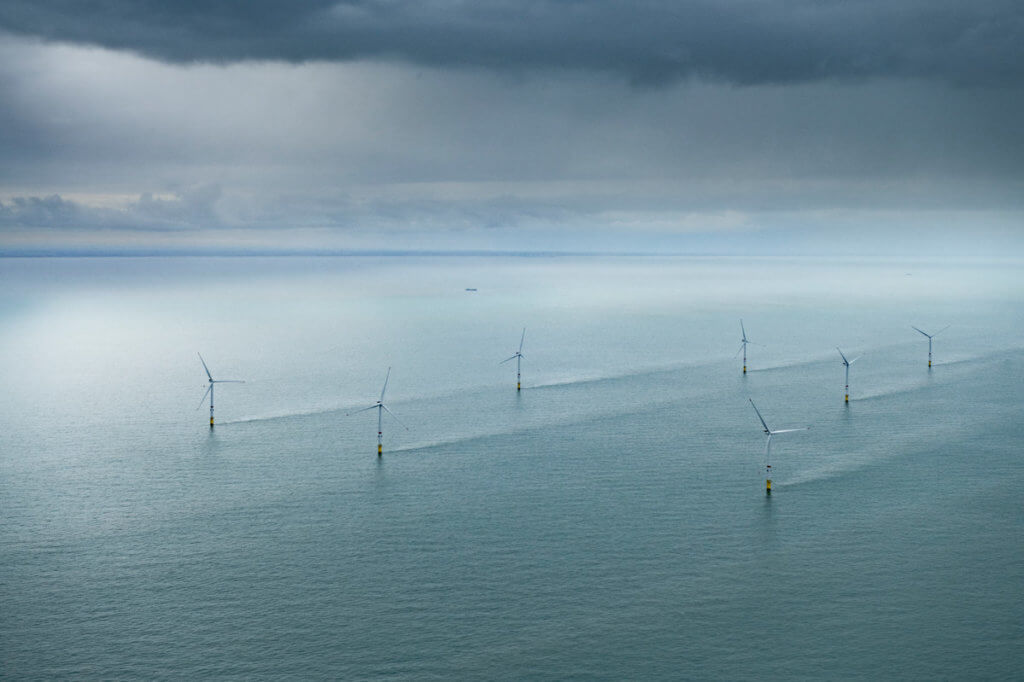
[845, 361]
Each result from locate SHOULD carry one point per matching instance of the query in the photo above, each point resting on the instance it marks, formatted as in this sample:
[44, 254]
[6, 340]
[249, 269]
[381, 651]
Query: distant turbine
[210, 389]
[847, 364]
[768, 447]
[381, 409]
[743, 346]
[518, 358]
[930, 336]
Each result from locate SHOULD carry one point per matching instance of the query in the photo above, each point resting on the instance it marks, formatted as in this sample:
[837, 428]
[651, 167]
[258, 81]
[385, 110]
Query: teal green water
[609, 521]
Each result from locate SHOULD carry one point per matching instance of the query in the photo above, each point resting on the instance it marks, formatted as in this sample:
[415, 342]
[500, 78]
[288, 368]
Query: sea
[608, 521]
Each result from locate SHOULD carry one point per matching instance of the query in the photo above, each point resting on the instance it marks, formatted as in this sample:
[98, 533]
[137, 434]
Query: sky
[724, 126]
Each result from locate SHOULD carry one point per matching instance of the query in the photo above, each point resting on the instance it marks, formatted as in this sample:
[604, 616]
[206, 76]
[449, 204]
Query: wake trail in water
[562, 422]
[448, 442]
[291, 414]
[791, 364]
[888, 392]
[963, 361]
[831, 471]
[598, 378]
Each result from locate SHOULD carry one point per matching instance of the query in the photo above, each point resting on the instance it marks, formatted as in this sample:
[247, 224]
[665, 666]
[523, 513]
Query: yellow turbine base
[768, 487]
[929, 363]
[847, 397]
[519, 386]
[211, 421]
[744, 369]
[380, 449]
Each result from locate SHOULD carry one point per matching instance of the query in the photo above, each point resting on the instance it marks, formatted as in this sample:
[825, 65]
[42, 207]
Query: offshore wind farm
[310, 193]
[617, 495]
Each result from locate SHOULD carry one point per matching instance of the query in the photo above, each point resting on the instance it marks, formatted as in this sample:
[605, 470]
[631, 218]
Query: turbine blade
[204, 365]
[385, 385]
[396, 418]
[845, 361]
[507, 359]
[227, 381]
[521, 339]
[371, 407]
[856, 359]
[203, 399]
[925, 333]
[806, 428]
[766, 429]
[739, 349]
[942, 330]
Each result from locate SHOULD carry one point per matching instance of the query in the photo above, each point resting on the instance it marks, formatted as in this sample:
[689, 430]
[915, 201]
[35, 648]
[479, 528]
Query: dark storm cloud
[744, 42]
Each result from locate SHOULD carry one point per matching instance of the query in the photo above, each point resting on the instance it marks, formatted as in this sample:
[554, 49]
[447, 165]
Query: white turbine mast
[518, 356]
[744, 341]
[209, 390]
[768, 446]
[846, 364]
[930, 337]
[381, 409]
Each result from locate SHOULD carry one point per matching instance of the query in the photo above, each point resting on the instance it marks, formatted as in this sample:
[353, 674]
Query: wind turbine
[381, 409]
[847, 364]
[210, 389]
[518, 358]
[743, 346]
[768, 447]
[930, 336]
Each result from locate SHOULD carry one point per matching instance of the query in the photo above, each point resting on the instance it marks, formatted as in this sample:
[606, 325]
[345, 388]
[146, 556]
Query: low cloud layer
[190, 210]
[648, 42]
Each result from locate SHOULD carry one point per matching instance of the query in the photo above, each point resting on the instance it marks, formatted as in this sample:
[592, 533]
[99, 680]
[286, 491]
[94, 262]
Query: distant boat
[470, 288]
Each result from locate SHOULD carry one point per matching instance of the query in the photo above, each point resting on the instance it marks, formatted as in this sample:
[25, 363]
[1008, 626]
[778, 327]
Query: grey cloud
[51, 211]
[193, 208]
[401, 213]
[652, 41]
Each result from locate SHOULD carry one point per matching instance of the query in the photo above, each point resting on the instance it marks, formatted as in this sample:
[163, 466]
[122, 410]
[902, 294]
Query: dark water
[609, 521]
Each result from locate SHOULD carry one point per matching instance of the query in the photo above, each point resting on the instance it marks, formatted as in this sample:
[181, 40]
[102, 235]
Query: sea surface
[608, 521]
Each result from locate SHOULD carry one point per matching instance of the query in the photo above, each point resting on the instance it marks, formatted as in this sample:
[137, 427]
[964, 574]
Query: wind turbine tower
[847, 363]
[518, 358]
[209, 391]
[930, 337]
[743, 346]
[768, 447]
[381, 409]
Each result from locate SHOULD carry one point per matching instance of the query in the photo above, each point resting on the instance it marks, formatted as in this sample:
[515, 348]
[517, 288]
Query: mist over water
[608, 521]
